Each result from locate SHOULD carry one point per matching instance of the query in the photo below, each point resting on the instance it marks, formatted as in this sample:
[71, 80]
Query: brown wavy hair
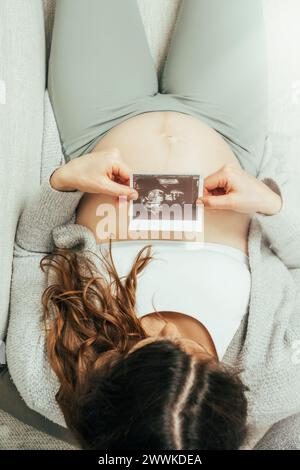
[89, 319]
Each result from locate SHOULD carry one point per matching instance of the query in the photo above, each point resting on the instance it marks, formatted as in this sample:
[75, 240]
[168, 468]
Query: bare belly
[169, 142]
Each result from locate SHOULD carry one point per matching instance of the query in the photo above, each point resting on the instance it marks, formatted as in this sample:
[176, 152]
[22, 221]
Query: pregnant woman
[143, 342]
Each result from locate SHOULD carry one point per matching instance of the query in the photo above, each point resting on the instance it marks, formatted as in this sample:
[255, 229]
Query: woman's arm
[231, 188]
[57, 199]
[51, 207]
[26, 342]
[270, 333]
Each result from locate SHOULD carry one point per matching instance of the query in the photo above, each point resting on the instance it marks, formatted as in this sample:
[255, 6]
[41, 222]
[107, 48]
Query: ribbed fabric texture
[15, 435]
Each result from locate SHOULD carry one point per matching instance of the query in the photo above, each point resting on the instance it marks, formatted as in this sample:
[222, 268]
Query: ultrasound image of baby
[165, 198]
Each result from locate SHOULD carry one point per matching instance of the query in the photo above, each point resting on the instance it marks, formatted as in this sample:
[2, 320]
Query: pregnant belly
[168, 142]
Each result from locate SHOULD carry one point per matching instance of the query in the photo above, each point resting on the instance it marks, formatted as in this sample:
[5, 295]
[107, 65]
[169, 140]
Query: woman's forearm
[271, 205]
[97, 172]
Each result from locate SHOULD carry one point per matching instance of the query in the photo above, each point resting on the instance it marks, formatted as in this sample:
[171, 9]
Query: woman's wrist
[271, 205]
[57, 181]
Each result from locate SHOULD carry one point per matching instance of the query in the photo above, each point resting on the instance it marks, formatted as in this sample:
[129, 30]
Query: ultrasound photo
[166, 198]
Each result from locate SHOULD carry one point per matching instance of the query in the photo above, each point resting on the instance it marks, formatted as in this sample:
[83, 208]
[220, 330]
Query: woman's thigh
[217, 66]
[99, 61]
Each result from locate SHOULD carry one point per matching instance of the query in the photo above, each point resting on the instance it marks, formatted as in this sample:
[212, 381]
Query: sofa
[30, 145]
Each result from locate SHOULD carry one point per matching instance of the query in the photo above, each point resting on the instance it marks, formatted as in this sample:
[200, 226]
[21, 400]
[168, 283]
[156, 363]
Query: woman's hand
[232, 188]
[97, 172]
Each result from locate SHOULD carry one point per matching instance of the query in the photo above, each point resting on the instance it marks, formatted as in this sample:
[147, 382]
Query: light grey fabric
[15, 435]
[22, 76]
[197, 78]
[284, 435]
[52, 155]
[158, 19]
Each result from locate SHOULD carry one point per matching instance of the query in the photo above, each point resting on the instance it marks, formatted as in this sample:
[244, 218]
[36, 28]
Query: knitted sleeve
[283, 229]
[45, 210]
[27, 359]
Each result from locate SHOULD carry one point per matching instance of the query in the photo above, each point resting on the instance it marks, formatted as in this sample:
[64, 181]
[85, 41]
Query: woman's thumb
[116, 189]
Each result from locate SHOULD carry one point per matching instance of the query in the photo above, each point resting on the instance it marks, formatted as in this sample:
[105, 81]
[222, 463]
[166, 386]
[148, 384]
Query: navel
[172, 139]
